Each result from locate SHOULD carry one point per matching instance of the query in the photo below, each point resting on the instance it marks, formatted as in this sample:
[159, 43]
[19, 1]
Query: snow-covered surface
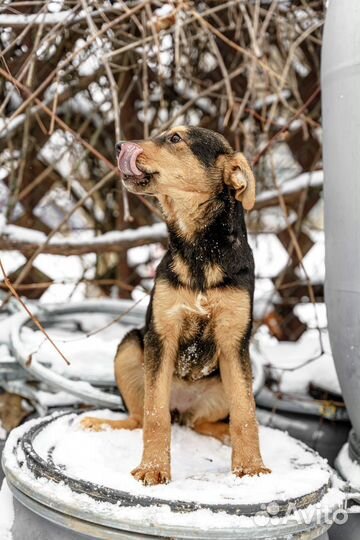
[350, 470]
[6, 512]
[200, 473]
[55, 399]
[92, 358]
[201, 465]
[281, 357]
[5, 355]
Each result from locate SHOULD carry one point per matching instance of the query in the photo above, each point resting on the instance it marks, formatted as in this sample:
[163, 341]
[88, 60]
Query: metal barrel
[341, 122]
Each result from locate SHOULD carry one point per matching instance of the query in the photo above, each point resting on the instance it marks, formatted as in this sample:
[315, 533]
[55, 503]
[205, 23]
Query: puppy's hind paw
[90, 423]
[251, 471]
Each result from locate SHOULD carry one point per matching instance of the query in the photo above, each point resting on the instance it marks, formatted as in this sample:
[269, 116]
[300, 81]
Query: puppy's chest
[194, 326]
[186, 321]
[196, 356]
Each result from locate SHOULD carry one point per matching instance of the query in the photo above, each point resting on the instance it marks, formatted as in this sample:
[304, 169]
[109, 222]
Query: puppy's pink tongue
[127, 159]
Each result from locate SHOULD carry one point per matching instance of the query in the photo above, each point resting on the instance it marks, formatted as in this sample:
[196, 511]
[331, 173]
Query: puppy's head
[185, 160]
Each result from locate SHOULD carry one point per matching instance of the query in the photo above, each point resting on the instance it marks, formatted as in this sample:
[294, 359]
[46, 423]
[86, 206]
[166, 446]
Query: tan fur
[246, 458]
[190, 326]
[181, 270]
[226, 307]
[232, 316]
[199, 401]
[174, 169]
[184, 210]
[232, 312]
[218, 430]
[130, 379]
[155, 464]
[92, 423]
[170, 304]
[195, 401]
[238, 174]
[213, 275]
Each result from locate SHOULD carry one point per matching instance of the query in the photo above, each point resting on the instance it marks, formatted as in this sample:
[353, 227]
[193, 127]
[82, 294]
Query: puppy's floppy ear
[238, 175]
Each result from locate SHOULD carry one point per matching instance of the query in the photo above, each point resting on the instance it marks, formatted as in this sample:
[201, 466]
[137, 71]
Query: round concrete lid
[85, 476]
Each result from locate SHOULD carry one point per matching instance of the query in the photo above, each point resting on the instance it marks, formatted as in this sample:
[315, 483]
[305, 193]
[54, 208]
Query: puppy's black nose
[118, 147]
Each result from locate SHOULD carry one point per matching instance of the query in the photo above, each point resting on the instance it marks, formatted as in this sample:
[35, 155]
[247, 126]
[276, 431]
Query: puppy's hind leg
[211, 410]
[129, 375]
[218, 430]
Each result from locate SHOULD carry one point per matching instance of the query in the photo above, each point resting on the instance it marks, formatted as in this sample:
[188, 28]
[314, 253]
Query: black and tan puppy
[192, 356]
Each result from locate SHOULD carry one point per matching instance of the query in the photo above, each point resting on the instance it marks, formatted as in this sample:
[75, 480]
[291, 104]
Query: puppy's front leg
[236, 376]
[155, 464]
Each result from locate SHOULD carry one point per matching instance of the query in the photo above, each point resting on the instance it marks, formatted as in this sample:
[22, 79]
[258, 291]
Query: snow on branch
[290, 188]
[61, 17]
[40, 18]
[20, 238]
[48, 19]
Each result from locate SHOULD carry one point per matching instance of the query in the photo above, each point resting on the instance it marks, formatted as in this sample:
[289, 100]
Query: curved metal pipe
[341, 121]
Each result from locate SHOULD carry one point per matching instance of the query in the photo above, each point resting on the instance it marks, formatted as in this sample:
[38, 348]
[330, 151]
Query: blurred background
[78, 75]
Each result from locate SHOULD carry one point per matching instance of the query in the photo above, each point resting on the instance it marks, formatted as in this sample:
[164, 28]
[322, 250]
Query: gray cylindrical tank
[341, 122]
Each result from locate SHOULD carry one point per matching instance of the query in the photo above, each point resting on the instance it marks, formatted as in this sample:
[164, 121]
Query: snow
[282, 356]
[55, 399]
[21, 234]
[60, 17]
[270, 99]
[11, 260]
[39, 18]
[311, 315]
[6, 512]
[303, 181]
[200, 473]
[92, 358]
[201, 465]
[269, 254]
[5, 355]
[349, 469]
[314, 263]
[143, 254]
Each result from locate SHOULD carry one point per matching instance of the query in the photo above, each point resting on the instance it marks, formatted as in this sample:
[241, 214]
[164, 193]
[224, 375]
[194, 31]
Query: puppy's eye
[175, 138]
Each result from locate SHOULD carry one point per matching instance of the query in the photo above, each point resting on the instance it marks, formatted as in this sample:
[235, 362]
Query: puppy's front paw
[151, 475]
[251, 470]
[90, 423]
